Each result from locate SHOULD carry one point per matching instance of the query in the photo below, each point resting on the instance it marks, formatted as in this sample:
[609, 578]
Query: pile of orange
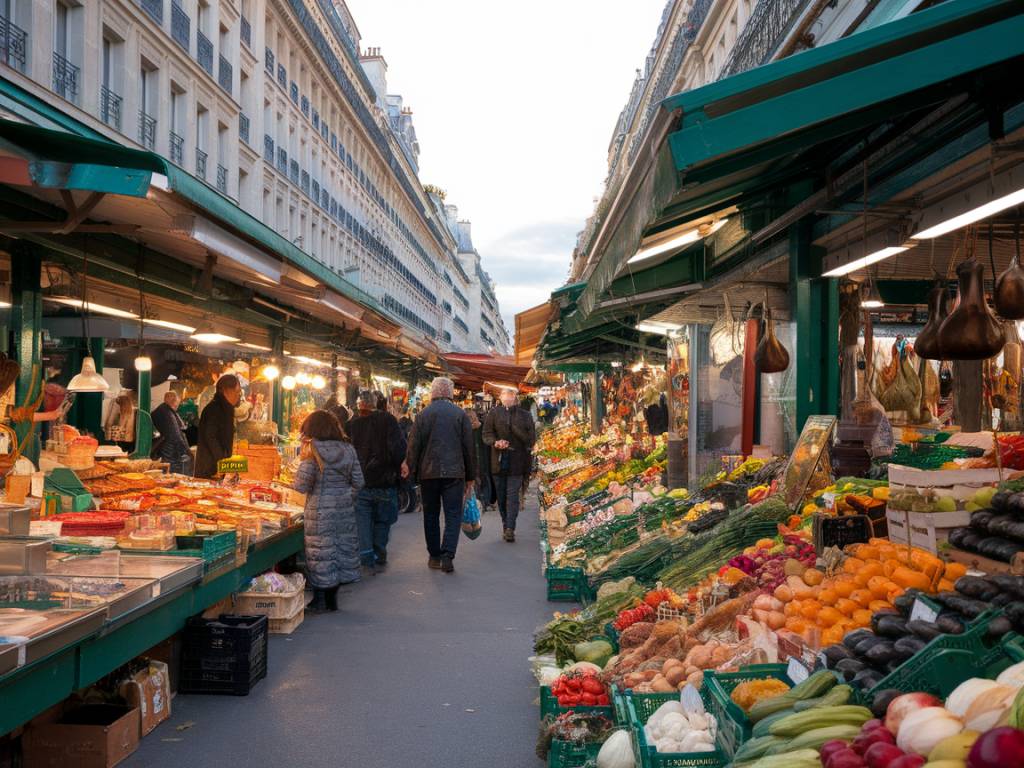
[822, 609]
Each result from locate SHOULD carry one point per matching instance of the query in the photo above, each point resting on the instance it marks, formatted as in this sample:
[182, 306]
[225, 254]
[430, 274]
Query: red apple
[882, 755]
[830, 748]
[908, 761]
[846, 759]
[864, 742]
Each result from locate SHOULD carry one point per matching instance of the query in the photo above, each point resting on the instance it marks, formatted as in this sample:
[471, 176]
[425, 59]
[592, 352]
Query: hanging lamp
[872, 299]
[207, 334]
[87, 380]
[142, 361]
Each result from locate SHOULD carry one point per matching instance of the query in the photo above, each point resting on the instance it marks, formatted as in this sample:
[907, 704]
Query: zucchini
[816, 737]
[812, 719]
[762, 726]
[756, 748]
[815, 685]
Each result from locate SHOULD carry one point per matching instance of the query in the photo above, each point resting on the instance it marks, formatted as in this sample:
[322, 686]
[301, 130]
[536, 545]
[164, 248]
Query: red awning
[474, 371]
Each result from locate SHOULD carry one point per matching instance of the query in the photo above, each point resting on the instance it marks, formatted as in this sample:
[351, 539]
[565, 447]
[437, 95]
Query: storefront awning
[474, 371]
[530, 328]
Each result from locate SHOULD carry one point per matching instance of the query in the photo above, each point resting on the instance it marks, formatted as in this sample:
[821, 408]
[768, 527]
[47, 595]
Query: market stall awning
[474, 371]
[530, 327]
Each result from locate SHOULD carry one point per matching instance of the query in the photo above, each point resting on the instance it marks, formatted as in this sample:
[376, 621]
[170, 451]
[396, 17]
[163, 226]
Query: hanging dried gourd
[1009, 292]
[771, 356]
[927, 343]
[971, 332]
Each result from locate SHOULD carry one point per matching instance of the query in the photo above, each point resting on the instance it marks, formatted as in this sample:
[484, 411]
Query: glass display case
[169, 573]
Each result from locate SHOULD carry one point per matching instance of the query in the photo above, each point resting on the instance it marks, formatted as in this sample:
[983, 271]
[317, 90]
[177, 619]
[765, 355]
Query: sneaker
[509, 535]
[447, 565]
[382, 562]
[434, 563]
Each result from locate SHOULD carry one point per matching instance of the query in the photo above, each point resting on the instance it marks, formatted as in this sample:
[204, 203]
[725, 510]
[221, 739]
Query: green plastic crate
[549, 706]
[734, 726]
[569, 754]
[618, 697]
[568, 585]
[640, 707]
[210, 547]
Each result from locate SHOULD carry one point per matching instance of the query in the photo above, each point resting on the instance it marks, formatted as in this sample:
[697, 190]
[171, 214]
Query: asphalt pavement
[419, 669]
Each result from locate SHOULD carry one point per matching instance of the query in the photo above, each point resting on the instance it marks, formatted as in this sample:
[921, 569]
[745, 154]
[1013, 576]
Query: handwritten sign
[796, 671]
[923, 611]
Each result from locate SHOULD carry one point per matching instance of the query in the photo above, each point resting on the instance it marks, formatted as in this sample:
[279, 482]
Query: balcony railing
[65, 78]
[268, 60]
[177, 148]
[305, 182]
[243, 127]
[181, 26]
[110, 107]
[154, 8]
[282, 160]
[293, 171]
[282, 76]
[200, 164]
[225, 73]
[147, 130]
[204, 52]
[769, 23]
[222, 178]
[245, 32]
[268, 148]
[13, 42]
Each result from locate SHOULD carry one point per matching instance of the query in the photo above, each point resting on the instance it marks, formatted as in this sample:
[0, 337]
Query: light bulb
[288, 382]
[302, 378]
[271, 372]
[318, 382]
[143, 363]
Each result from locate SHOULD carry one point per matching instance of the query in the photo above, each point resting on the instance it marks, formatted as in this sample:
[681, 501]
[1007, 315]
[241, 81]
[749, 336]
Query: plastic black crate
[227, 655]
[840, 531]
[233, 683]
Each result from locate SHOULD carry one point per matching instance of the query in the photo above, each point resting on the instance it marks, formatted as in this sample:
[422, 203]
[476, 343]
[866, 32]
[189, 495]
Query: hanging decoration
[1009, 292]
[971, 332]
[771, 356]
[927, 344]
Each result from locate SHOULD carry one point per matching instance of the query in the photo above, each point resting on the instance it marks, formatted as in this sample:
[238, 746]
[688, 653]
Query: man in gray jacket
[509, 431]
[442, 459]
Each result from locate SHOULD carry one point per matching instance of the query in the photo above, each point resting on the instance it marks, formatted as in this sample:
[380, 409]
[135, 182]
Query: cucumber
[840, 694]
[762, 726]
[756, 748]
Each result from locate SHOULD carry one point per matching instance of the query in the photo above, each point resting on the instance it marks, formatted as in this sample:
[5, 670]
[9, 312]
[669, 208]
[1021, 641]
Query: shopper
[120, 425]
[381, 446]
[217, 426]
[442, 459]
[330, 476]
[510, 432]
[171, 446]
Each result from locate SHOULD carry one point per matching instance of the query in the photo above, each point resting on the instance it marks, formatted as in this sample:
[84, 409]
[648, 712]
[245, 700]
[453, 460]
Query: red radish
[870, 725]
[903, 705]
[998, 748]
[882, 755]
[863, 743]
[908, 761]
[847, 759]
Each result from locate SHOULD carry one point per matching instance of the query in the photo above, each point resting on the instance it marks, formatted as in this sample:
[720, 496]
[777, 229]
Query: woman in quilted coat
[330, 476]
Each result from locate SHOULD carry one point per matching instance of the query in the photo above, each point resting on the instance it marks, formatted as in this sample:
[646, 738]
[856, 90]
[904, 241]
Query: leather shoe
[434, 563]
[447, 565]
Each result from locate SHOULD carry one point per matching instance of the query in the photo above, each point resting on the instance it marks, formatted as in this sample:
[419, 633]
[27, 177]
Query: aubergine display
[927, 344]
[771, 356]
[971, 332]
[1009, 292]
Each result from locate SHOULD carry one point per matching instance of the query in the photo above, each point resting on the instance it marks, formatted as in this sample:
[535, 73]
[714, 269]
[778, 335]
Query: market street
[418, 669]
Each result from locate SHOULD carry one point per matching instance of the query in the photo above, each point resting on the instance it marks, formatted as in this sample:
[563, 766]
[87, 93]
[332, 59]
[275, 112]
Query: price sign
[233, 465]
[923, 611]
[796, 671]
[44, 528]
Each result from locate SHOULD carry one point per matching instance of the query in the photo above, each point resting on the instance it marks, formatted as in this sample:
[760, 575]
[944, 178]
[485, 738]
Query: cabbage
[596, 652]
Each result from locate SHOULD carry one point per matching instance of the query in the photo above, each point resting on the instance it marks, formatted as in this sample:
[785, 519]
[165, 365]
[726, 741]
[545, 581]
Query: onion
[922, 729]
[903, 705]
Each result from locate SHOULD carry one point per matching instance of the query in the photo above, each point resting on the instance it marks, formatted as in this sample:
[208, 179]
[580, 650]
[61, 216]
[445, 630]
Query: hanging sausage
[1009, 292]
[971, 332]
[927, 344]
[771, 356]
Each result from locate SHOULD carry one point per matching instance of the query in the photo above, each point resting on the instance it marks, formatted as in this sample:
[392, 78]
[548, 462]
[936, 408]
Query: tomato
[592, 686]
[574, 685]
[588, 700]
[603, 700]
[571, 700]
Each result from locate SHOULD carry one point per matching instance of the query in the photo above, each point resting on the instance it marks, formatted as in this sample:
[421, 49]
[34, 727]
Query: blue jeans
[434, 495]
[376, 512]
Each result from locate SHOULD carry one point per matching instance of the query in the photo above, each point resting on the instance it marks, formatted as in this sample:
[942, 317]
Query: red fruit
[870, 725]
[846, 759]
[903, 705]
[908, 761]
[882, 755]
[998, 748]
[865, 741]
[830, 748]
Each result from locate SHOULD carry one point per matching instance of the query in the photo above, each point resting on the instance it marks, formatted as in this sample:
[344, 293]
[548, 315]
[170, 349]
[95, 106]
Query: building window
[177, 132]
[147, 104]
[13, 39]
[110, 65]
[202, 137]
[65, 72]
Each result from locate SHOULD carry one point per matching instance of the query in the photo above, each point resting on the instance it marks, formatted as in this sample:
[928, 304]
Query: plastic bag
[471, 518]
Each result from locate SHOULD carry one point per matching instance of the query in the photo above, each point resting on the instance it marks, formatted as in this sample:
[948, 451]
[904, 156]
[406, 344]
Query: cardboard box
[149, 690]
[91, 736]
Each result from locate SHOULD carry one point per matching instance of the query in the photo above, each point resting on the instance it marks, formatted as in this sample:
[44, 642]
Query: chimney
[376, 69]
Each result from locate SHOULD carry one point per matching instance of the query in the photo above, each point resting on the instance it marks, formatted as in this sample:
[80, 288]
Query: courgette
[756, 748]
[762, 726]
[822, 717]
[840, 694]
[815, 738]
[814, 686]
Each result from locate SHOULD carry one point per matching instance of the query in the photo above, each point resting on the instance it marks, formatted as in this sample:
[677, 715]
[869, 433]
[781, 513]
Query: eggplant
[1015, 504]
[905, 602]
[850, 639]
[1004, 598]
[997, 627]
[895, 663]
[867, 678]
[1015, 613]
[1013, 530]
[957, 535]
[880, 654]
[849, 668]
[970, 541]
[949, 624]
[834, 654]
[881, 700]
[888, 625]
[976, 587]
[981, 519]
[1000, 501]
[909, 645]
[947, 597]
[1008, 584]
[926, 630]
[998, 548]
[1000, 525]
[926, 346]
[971, 331]
[865, 645]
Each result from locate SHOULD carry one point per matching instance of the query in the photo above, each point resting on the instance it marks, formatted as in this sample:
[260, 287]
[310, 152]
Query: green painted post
[91, 413]
[276, 393]
[27, 322]
[143, 421]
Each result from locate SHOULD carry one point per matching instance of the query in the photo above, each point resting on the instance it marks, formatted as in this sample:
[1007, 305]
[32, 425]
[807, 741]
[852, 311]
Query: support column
[26, 323]
[596, 404]
[143, 421]
[276, 393]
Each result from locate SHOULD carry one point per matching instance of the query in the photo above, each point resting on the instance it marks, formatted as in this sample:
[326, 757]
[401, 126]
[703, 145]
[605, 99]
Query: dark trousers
[376, 512]
[436, 494]
[510, 489]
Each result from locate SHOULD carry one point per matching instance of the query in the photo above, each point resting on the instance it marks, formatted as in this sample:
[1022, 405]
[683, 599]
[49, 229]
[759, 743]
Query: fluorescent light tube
[977, 214]
[865, 261]
[168, 324]
[690, 236]
[99, 309]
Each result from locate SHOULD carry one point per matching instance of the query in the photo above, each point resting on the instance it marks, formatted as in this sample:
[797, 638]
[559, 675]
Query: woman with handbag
[330, 476]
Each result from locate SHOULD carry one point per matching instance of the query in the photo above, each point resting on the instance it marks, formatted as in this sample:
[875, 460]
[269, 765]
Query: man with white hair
[442, 459]
[171, 446]
[509, 431]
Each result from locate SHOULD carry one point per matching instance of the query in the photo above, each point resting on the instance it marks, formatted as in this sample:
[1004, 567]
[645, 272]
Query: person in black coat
[172, 446]
[509, 431]
[217, 426]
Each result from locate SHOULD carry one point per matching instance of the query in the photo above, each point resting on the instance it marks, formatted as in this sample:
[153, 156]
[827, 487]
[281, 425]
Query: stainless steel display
[22, 556]
[14, 520]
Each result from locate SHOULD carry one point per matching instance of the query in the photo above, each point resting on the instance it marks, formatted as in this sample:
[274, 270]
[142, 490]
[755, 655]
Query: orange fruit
[852, 565]
[813, 577]
[796, 625]
[863, 597]
[880, 586]
[828, 596]
[844, 588]
[862, 617]
[868, 572]
[832, 635]
[810, 609]
[879, 605]
[792, 608]
[829, 616]
[846, 606]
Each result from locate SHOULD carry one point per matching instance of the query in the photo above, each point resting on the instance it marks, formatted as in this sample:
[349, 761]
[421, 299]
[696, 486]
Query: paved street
[419, 669]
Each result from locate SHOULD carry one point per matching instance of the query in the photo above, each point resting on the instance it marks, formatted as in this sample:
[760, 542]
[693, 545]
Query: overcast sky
[514, 107]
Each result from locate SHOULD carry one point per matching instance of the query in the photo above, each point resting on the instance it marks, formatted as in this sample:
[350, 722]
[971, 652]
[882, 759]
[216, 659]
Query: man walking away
[171, 446]
[510, 432]
[217, 426]
[442, 459]
[381, 446]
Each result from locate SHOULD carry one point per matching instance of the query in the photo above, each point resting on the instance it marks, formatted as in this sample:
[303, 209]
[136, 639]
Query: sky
[514, 107]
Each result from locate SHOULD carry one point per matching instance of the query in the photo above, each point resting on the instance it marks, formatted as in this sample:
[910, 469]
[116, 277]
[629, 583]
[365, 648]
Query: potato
[661, 685]
[649, 674]
[676, 676]
[696, 679]
[669, 664]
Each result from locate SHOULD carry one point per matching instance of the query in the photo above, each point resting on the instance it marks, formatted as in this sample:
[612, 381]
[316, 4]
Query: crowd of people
[353, 466]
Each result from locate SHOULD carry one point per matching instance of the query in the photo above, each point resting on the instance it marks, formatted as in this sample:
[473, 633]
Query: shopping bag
[471, 518]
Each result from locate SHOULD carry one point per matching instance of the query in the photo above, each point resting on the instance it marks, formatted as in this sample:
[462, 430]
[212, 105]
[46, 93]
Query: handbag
[471, 525]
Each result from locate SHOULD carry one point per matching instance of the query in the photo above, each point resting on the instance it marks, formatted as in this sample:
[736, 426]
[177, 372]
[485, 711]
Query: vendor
[217, 426]
[171, 446]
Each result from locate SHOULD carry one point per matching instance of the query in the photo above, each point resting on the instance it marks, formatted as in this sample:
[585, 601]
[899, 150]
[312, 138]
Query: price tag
[691, 699]
[233, 465]
[922, 611]
[823, 660]
[796, 671]
[44, 528]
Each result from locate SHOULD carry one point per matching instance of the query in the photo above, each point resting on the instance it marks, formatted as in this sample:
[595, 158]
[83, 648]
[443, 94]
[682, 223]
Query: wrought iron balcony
[204, 52]
[201, 164]
[245, 32]
[222, 178]
[293, 171]
[243, 127]
[147, 130]
[268, 148]
[268, 60]
[282, 160]
[110, 107]
[65, 78]
[13, 42]
[181, 26]
[225, 73]
[282, 76]
[768, 25]
[154, 8]
[177, 148]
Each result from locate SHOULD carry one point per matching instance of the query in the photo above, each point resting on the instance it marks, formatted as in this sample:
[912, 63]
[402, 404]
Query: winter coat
[381, 447]
[168, 423]
[216, 435]
[441, 445]
[515, 425]
[332, 541]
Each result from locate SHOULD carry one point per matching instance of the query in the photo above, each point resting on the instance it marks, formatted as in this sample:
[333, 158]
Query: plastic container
[569, 754]
[734, 726]
[287, 625]
[568, 585]
[831, 531]
[640, 707]
[549, 706]
[227, 655]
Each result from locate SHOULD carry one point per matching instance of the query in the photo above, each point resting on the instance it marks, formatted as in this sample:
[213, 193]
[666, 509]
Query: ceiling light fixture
[302, 378]
[87, 380]
[873, 298]
[657, 326]
[686, 238]
[271, 372]
[865, 261]
[206, 334]
[260, 347]
[318, 382]
[169, 325]
[89, 306]
[970, 217]
[288, 383]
